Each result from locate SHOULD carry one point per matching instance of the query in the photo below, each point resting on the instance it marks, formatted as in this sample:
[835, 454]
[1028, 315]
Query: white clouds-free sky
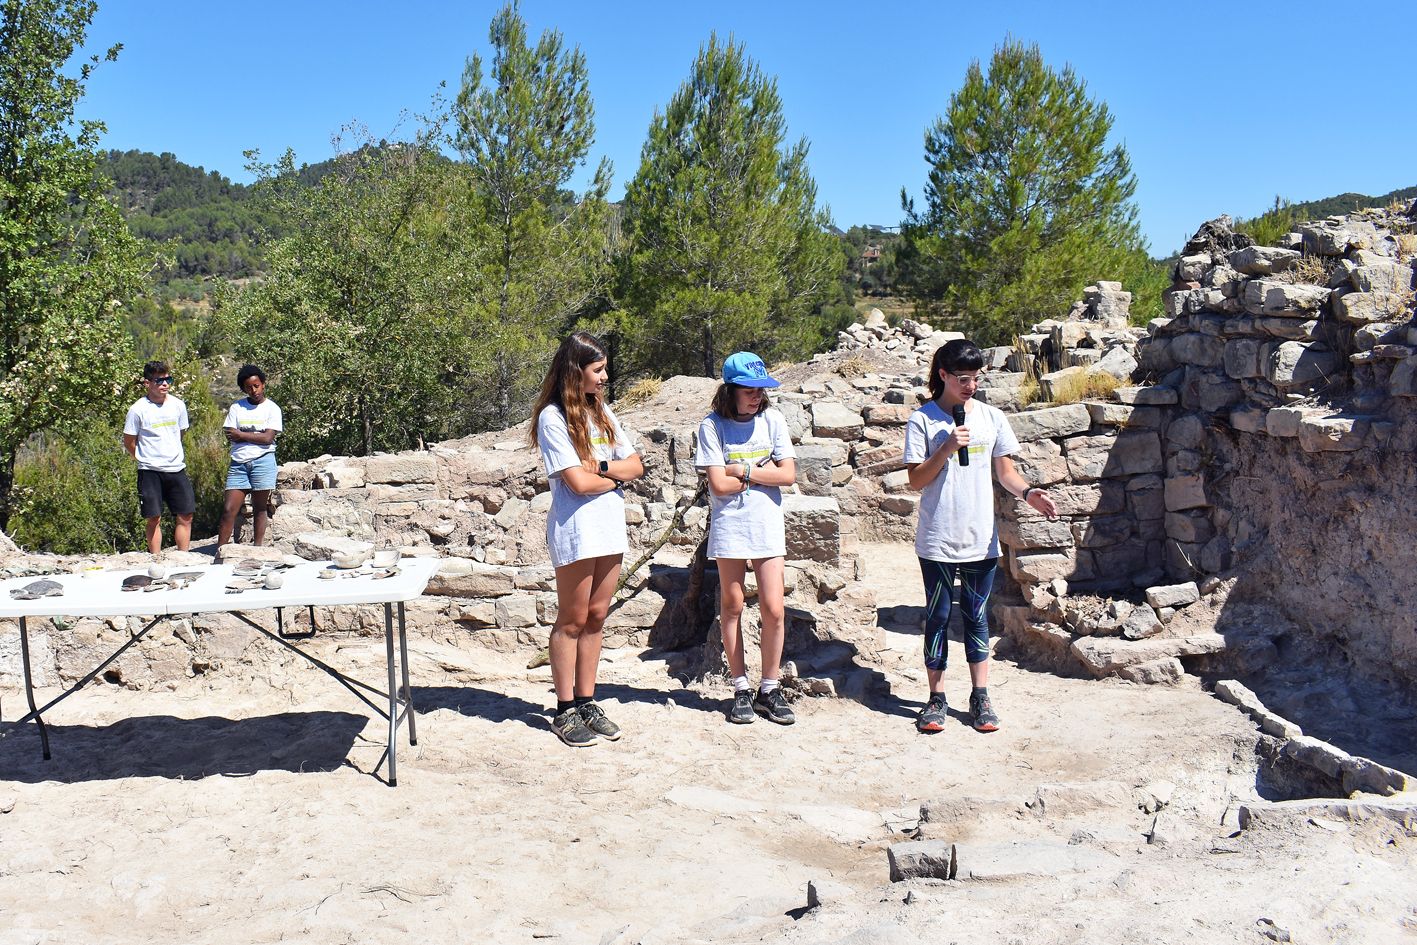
[1221, 108]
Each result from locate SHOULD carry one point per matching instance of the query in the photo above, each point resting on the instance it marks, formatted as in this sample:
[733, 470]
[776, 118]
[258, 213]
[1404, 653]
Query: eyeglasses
[968, 378]
[160, 380]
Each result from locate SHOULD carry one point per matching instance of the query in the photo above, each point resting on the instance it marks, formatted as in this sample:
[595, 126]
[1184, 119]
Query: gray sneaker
[594, 718]
[773, 705]
[981, 713]
[571, 729]
[741, 711]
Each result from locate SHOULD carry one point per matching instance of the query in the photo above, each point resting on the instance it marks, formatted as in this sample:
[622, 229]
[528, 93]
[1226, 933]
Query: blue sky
[1221, 108]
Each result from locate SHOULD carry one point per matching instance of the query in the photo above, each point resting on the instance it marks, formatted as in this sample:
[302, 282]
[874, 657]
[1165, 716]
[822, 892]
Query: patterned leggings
[976, 580]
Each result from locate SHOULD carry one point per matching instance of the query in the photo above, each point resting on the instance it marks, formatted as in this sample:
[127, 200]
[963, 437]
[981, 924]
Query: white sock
[740, 684]
[768, 685]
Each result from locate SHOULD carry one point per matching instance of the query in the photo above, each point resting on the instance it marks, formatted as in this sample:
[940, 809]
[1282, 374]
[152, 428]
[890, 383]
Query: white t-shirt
[957, 508]
[747, 525]
[581, 526]
[159, 432]
[252, 418]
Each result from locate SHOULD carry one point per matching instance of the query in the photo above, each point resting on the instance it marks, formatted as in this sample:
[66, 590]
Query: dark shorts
[174, 488]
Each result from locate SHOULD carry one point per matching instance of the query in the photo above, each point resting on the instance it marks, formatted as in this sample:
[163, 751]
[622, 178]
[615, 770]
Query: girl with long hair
[957, 533]
[745, 449]
[588, 456]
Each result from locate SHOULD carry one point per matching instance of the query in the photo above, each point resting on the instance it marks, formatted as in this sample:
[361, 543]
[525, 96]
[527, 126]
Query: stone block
[1173, 595]
[1041, 462]
[1162, 672]
[813, 528]
[1185, 492]
[512, 512]
[921, 859]
[516, 611]
[323, 546]
[1145, 497]
[887, 415]
[1186, 432]
[1028, 534]
[1263, 260]
[1040, 567]
[1284, 421]
[1050, 422]
[1248, 419]
[831, 419]
[459, 577]
[1294, 299]
[1100, 532]
[1104, 497]
[1363, 308]
[1146, 396]
[1332, 434]
[1242, 358]
[1403, 380]
[1118, 362]
[1295, 363]
[903, 505]
[1198, 349]
[814, 469]
[1385, 276]
[1189, 527]
[1129, 453]
[1109, 414]
[1141, 623]
[400, 468]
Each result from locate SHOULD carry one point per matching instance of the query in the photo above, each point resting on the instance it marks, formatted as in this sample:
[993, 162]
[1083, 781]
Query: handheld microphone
[959, 422]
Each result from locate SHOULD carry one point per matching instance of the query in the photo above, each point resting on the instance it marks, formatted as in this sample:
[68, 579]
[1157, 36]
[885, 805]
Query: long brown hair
[725, 401]
[562, 387]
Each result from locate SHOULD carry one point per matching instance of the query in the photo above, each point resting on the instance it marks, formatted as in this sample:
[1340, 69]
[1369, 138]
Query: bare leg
[588, 645]
[152, 529]
[234, 498]
[730, 612]
[182, 532]
[979, 674]
[573, 586]
[259, 501]
[771, 610]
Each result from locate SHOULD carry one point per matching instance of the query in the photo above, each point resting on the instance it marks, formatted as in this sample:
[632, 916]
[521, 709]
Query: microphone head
[958, 412]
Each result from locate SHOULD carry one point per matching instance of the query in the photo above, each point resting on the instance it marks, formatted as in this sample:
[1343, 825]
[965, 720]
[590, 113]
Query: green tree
[67, 260]
[352, 319]
[1024, 203]
[536, 256]
[726, 246]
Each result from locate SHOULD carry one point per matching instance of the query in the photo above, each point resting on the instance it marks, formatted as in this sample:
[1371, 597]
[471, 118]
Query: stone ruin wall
[1259, 449]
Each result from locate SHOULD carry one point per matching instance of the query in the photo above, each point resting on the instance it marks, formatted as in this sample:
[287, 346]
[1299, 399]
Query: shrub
[1085, 385]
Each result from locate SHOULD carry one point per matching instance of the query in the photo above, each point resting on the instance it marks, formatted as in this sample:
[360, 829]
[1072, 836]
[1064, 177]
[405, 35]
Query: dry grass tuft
[1089, 385]
[854, 366]
[641, 392]
[1309, 270]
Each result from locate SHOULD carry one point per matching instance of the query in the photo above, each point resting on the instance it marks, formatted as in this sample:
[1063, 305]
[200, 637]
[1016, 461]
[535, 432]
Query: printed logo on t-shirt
[978, 450]
[744, 454]
[162, 423]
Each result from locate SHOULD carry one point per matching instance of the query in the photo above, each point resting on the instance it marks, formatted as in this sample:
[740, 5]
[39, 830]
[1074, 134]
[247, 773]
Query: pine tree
[536, 257]
[1024, 203]
[67, 260]
[726, 246]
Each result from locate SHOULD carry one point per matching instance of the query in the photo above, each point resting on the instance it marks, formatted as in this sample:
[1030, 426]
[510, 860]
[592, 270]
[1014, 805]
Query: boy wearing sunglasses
[152, 434]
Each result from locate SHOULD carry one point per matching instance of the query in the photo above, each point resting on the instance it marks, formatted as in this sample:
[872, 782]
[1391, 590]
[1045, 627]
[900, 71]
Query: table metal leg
[29, 687]
[407, 687]
[393, 695]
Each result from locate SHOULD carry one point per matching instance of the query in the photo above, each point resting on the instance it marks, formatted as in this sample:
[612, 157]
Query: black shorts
[174, 488]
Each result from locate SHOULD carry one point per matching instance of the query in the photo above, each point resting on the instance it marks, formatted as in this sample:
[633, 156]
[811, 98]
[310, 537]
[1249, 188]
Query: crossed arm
[740, 477]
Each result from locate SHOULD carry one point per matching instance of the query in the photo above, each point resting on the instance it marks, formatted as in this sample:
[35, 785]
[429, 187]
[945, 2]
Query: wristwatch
[604, 467]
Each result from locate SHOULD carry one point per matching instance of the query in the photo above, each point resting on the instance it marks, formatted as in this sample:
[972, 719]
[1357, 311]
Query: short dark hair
[247, 372]
[725, 400]
[960, 354]
[155, 369]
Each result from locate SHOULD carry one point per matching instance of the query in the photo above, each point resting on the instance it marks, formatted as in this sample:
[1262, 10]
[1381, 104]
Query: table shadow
[164, 746]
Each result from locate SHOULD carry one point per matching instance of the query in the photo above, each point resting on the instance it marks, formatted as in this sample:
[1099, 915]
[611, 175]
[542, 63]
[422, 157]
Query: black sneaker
[571, 729]
[773, 705]
[594, 718]
[742, 709]
[932, 717]
[981, 713]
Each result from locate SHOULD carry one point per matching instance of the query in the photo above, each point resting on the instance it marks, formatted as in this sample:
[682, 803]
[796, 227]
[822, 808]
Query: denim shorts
[256, 476]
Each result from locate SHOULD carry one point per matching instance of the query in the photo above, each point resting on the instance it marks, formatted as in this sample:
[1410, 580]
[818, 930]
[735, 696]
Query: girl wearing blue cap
[588, 456]
[745, 449]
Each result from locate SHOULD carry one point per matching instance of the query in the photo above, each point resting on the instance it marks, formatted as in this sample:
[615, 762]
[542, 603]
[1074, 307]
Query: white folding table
[101, 595]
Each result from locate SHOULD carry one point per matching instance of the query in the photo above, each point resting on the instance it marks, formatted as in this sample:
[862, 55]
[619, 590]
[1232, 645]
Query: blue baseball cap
[746, 369]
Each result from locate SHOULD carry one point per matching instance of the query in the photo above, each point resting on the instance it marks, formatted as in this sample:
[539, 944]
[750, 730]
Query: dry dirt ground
[242, 808]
